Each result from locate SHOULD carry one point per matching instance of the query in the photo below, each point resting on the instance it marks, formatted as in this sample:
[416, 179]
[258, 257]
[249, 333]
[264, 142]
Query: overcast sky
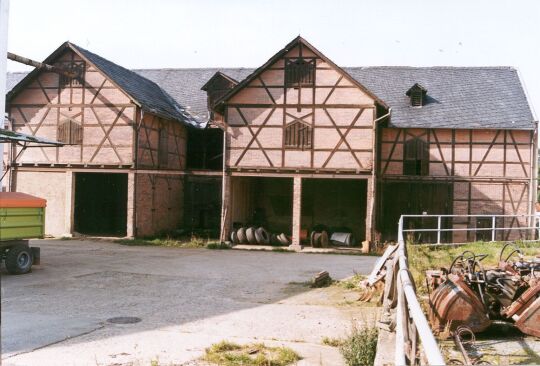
[202, 33]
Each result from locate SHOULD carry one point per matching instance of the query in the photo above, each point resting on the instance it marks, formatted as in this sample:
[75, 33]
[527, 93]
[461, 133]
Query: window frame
[416, 157]
[302, 138]
[73, 135]
[295, 77]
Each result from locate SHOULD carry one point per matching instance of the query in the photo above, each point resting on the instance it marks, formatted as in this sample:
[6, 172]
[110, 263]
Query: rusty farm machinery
[467, 294]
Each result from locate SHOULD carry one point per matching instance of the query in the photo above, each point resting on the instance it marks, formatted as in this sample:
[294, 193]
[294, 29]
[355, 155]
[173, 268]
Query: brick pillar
[130, 229]
[296, 213]
[69, 204]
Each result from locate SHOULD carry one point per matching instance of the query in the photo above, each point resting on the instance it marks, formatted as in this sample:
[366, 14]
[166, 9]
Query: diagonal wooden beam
[107, 133]
[518, 153]
[487, 153]
[440, 152]
[267, 91]
[343, 137]
[398, 135]
[37, 127]
[254, 136]
[332, 90]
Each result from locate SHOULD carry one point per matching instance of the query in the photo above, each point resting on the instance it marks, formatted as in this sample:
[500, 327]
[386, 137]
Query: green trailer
[22, 217]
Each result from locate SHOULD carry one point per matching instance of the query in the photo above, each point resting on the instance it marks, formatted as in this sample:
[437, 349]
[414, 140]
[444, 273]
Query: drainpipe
[533, 189]
[374, 167]
[224, 206]
[135, 211]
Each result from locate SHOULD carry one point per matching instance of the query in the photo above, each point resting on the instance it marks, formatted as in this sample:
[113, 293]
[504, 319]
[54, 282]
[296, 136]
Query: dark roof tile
[458, 97]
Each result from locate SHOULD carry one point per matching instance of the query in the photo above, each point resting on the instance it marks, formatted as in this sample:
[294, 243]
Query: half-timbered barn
[301, 143]
[120, 171]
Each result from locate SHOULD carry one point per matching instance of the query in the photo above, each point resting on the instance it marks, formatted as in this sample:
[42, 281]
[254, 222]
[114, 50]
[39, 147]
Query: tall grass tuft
[360, 347]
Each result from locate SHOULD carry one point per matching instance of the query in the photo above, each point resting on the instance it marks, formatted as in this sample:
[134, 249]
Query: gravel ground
[186, 299]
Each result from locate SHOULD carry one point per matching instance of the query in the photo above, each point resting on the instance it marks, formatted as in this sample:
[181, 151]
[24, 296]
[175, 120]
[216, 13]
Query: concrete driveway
[187, 300]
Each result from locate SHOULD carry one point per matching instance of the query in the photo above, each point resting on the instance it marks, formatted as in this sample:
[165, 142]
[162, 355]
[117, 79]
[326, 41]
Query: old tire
[312, 238]
[241, 233]
[283, 239]
[19, 259]
[324, 241]
[250, 235]
[234, 237]
[262, 236]
[317, 240]
[274, 240]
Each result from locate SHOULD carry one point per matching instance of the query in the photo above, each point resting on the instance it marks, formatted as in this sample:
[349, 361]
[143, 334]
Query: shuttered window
[298, 136]
[299, 72]
[74, 66]
[417, 98]
[416, 157]
[69, 132]
[163, 150]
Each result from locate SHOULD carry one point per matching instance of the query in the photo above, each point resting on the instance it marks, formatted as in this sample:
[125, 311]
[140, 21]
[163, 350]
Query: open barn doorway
[101, 204]
[335, 205]
[262, 201]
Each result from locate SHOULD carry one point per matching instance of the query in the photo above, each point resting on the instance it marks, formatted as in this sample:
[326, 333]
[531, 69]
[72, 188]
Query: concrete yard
[187, 300]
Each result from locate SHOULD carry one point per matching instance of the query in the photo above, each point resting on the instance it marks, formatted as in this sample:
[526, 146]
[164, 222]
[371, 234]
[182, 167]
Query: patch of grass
[281, 250]
[66, 238]
[423, 257]
[227, 353]
[217, 245]
[351, 282]
[172, 242]
[360, 347]
[332, 342]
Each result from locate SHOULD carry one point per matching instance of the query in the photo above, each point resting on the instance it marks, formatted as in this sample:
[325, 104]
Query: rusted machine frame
[40, 65]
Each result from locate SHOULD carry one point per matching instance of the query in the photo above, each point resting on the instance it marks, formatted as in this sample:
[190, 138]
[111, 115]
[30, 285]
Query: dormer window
[417, 94]
[299, 72]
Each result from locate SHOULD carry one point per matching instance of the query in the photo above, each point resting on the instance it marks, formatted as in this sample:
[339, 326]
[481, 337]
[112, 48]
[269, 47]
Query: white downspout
[374, 168]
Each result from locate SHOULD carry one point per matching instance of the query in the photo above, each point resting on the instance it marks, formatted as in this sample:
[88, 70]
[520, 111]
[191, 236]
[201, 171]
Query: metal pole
[400, 230]
[492, 228]
[438, 229]
[4, 16]
[399, 352]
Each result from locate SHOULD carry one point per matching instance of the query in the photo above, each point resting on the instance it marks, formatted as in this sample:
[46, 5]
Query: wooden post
[296, 213]
[4, 16]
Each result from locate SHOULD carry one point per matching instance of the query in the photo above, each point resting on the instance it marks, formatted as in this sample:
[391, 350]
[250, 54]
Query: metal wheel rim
[23, 259]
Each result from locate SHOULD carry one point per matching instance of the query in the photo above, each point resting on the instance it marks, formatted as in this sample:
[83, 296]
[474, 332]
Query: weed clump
[360, 347]
[227, 353]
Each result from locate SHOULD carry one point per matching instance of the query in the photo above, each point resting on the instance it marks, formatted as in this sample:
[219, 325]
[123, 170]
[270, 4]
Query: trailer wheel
[19, 259]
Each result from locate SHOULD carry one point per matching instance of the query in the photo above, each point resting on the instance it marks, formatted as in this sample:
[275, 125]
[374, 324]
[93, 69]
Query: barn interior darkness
[263, 202]
[101, 204]
[205, 149]
[339, 205]
[203, 204]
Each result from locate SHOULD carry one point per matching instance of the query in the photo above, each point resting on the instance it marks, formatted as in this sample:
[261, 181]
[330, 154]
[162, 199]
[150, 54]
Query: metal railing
[411, 323]
[412, 328]
[532, 225]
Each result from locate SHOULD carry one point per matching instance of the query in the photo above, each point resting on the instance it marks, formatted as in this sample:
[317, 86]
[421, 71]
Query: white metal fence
[529, 230]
